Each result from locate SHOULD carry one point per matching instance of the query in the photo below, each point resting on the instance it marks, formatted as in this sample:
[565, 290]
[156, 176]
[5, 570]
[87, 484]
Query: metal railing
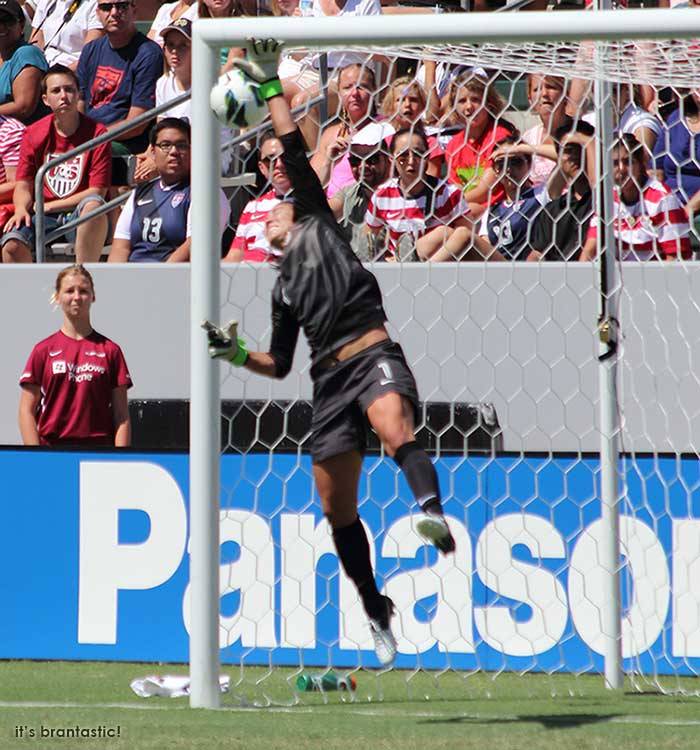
[41, 239]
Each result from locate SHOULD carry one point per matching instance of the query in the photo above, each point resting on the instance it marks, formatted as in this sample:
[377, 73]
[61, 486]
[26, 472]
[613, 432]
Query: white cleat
[434, 529]
[384, 641]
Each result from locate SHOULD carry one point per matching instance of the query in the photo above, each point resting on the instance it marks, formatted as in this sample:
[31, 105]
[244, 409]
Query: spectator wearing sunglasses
[22, 66]
[506, 225]
[61, 28]
[369, 163]
[421, 215]
[155, 224]
[118, 75]
[250, 242]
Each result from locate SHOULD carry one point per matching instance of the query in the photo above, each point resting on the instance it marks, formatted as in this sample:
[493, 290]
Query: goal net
[555, 351]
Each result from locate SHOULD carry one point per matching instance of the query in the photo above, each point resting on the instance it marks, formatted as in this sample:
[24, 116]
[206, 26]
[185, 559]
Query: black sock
[353, 550]
[420, 475]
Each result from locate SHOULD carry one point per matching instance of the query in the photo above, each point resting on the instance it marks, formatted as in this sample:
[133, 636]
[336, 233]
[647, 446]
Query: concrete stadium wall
[519, 336]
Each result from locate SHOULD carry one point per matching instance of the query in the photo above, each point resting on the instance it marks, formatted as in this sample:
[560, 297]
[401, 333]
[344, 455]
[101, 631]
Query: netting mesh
[494, 166]
[653, 62]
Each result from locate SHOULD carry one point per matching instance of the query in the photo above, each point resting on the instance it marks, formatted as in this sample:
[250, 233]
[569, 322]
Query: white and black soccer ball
[236, 101]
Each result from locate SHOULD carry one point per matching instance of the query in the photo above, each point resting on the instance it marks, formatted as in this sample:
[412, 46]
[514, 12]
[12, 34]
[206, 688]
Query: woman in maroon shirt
[75, 381]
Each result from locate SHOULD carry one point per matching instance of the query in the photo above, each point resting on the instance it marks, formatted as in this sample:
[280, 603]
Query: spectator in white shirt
[633, 118]
[178, 61]
[61, 28]
[177, 48]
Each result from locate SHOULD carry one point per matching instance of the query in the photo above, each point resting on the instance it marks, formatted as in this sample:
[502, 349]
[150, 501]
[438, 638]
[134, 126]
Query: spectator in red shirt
[71, 189]
[75, 381]
[476, 103]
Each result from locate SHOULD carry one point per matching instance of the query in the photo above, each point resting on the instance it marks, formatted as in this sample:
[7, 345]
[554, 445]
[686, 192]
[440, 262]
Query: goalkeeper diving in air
[359, 374]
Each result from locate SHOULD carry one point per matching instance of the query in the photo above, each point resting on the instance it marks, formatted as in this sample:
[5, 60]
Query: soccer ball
[236, 101]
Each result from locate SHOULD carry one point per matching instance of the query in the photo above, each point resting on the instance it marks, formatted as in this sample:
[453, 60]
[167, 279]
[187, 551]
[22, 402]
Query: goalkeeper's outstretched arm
[261, 66]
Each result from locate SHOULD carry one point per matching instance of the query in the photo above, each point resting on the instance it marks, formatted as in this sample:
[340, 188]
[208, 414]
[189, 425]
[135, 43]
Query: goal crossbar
[450, 28]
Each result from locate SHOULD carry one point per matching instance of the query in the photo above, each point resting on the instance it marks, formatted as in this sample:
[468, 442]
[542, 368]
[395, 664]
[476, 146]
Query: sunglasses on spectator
[182, 147]
[572, 150]
[404, 156]
[374, 158]
[6, 20]
[267, 160]
[120, 7]
[512, 161]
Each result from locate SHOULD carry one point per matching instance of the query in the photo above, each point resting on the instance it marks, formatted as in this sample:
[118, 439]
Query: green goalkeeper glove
[261, 63]
[225, 344]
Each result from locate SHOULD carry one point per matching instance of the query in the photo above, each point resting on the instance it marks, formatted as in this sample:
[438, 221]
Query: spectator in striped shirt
[650, 222]
[11, 134]
[250, 243]
[423, 216]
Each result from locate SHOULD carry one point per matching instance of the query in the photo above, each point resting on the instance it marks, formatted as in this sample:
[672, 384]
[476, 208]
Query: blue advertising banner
[95, 563]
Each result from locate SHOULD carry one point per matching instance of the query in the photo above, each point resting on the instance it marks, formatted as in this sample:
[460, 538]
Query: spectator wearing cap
[21, 67]
[177, 80]
[118, 75]
[166, 16]
[250, 243]
[61, 28]
[177, 48]
[369, 162]
[71, 189]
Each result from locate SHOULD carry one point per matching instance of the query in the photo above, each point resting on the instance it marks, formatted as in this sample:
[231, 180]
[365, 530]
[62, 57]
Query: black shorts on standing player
[324, 290]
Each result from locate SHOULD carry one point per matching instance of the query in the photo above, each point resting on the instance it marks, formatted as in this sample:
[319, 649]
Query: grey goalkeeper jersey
[322, 287]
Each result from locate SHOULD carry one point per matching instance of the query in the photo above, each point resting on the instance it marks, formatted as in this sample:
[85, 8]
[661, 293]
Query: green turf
[390, 711]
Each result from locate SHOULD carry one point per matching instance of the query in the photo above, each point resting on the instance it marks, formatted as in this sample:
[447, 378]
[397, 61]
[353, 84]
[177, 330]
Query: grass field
[389, 711]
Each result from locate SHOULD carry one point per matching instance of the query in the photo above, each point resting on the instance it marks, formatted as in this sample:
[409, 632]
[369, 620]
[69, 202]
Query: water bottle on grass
[324, 682]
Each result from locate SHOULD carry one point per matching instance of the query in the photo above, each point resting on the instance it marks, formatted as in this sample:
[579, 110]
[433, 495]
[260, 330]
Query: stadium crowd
[421, 161]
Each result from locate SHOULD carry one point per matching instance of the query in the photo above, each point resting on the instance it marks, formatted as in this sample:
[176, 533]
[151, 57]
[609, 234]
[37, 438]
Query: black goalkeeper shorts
[344, 392]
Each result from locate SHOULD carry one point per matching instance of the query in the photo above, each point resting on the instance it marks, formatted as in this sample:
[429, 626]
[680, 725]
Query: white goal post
[392, 31]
